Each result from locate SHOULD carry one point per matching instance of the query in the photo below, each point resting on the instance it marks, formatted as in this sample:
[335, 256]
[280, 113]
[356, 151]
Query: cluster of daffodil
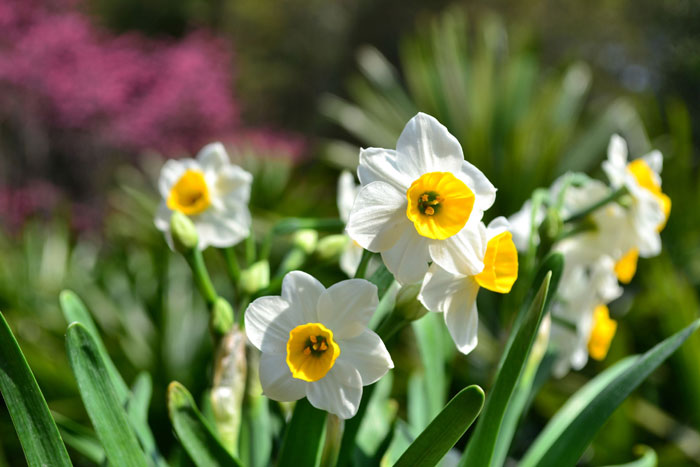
[606, 228]
[420, 207]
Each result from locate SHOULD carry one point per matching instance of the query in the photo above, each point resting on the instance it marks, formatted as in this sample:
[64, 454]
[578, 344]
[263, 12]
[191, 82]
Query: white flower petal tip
[315, 342]
[210, 190]
[416, 200]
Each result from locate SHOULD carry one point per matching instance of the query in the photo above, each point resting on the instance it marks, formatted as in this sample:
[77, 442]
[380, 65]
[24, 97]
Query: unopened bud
[256, 277]
[305, 240]
[551, 227]
[407, 304]
[221, 320]
[331, 246]
[183, 231]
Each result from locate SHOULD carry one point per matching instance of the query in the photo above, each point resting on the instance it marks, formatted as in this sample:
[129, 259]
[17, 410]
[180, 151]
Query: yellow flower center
[645, 177]
[190, 195]
[311, 351]
[439, 204]
[602, 334]
[500, 264]
[626, 267]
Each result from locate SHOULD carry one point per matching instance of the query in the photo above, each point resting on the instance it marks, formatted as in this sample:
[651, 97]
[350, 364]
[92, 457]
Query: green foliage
[100, 399]
[193, 431]
[35, 427]
[303, 438]
[445, 429]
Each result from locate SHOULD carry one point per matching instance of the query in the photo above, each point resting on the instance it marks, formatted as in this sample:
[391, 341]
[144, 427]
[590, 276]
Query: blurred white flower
[454, 295]
[649, 208]
[581, 325]
[210, 190]
[421, 202]
[315, 342]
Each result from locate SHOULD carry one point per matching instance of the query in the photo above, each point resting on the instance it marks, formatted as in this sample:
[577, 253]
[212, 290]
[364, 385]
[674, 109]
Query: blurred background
[95, 95]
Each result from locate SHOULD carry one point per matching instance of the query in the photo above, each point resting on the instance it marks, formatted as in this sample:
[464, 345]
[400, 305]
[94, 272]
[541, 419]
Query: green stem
[201, 276]
[250, 248]
[614, 196]
[362, 267]
[234, 270]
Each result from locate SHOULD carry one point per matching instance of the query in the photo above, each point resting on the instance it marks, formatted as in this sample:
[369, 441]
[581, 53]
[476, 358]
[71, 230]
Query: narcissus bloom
[581, 324]
[649, 207]
[454, 295]
[210, 190]
[417, 203]
[315, 342]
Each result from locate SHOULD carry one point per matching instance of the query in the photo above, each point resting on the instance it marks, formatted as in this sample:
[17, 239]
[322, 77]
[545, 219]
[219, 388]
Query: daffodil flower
[649, 207]
[581, 324]
[421, 202]
[210, 190]
[315, 342]
[454, 295]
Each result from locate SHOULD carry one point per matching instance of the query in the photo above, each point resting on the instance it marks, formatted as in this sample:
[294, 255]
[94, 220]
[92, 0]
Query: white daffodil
[421, 202]
[210, 190]
[581, 324]
[347, 192]
[648, 208]
[454, 295]
[315, 342]
[521, 225]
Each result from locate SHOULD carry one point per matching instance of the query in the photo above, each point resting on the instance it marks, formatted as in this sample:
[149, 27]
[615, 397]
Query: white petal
[439, 287]
[350, 258]
[377, 164]
[347, 307]
[484, 191]
[268, 321]
[162, 219]
[347, 191]
[425, 146]
[378, 217]
[367, 353]
[213, 157]
[617, 151]
[339, 392]
[462, 253]
[496, 227]
[223, 228]
[303, 291]
[655, 161]
[458, 303]
[408, 258]
[277, 381]
[233, 185]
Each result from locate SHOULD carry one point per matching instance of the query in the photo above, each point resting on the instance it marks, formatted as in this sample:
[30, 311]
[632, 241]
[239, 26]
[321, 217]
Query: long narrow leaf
[480, 449]
[566, 436]
[35, 427]
[194, 432]
[303, 438]
[103, 407]
[445, 429]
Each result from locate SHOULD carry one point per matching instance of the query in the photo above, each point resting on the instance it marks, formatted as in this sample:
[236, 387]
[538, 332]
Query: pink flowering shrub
[129, 92]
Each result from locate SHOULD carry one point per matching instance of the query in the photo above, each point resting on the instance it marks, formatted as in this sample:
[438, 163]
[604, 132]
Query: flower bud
[256, 277]
[407, 304]
[221, 320]
[305, 240]
[184, 232]
[331, 246]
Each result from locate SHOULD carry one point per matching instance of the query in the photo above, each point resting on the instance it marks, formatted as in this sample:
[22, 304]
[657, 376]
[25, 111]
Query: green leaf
[445, 429]
[648, 458]
[80, 438]
[303, 439]
[194, 432]
[570, 431]
[75, 311]
[101, 402]
[35, 427]
[480, 449]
